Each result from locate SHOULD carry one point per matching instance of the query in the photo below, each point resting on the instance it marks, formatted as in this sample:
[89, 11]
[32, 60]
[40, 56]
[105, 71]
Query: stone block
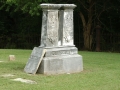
[61, 60]
[61, 64]
[11, 57]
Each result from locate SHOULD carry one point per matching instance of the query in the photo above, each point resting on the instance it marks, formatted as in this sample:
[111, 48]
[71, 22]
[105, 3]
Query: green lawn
[101, 72]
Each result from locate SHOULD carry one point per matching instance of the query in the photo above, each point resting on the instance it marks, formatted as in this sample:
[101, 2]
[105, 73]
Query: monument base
[62, 64]
[61, 60]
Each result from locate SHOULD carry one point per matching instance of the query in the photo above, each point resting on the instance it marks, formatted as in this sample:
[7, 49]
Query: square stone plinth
[61, 60]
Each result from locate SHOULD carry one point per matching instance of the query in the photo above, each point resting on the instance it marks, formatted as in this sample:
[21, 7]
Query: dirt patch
[25, 81]
[1, 61]
[8, 75]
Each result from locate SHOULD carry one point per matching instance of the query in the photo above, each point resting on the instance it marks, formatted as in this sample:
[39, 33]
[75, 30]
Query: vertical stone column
[66, 19]
[49, 35]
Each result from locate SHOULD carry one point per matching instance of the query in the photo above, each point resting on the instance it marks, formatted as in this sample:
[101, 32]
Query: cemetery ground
[101, 72]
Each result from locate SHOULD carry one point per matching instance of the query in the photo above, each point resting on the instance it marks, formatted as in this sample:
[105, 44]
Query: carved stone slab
[66, 25]
[52, 32]
[34, 60]
[49, 37]
[68, 28]
[51, 52]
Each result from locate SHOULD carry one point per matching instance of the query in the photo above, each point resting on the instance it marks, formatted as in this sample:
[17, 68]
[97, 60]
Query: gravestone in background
[57, 54]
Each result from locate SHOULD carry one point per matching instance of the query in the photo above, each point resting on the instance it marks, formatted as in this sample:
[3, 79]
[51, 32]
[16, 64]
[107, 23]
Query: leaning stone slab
[34, 60]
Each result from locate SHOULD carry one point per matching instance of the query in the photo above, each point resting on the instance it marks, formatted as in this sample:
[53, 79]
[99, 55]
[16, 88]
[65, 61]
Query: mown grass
[101, 72]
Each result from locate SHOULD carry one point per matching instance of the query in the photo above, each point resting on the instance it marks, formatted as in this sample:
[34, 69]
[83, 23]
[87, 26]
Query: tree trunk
[87, 25]
[98, 38]
[87, 38]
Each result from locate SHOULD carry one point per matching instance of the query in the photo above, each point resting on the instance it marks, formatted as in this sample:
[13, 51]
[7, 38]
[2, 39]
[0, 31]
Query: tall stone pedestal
[57, 54]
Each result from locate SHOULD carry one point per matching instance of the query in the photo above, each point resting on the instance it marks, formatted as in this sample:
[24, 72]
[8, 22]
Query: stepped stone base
[61, 60]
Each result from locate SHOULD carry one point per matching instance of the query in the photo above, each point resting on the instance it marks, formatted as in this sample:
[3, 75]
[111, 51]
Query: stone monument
[57, 53]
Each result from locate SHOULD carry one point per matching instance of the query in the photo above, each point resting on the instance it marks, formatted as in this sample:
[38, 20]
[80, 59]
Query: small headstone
[11, 57]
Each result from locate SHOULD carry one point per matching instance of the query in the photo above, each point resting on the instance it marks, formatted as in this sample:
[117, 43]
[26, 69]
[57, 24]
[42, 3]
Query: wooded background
[96, 24]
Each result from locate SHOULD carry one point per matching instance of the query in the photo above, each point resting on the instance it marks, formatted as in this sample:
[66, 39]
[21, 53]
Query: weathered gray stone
[61, 55]
[49, 36]
[34, 60]
[66, 24]
[61, 60]
[60, 51]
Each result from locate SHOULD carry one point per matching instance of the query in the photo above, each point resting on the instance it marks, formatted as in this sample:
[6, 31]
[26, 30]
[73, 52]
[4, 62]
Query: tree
[17, 24]
[88, 6]
[27, 6]
[91, 12]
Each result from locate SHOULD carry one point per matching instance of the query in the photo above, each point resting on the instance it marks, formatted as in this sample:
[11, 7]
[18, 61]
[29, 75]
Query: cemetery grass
[101, 72]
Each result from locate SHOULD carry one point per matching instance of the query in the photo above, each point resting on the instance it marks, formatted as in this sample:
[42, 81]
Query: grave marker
[57, 54]
[34, 60]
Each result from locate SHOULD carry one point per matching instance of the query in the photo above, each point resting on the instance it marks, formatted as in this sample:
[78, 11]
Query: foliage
[24, 17]
[28, 6]
[16, 26]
